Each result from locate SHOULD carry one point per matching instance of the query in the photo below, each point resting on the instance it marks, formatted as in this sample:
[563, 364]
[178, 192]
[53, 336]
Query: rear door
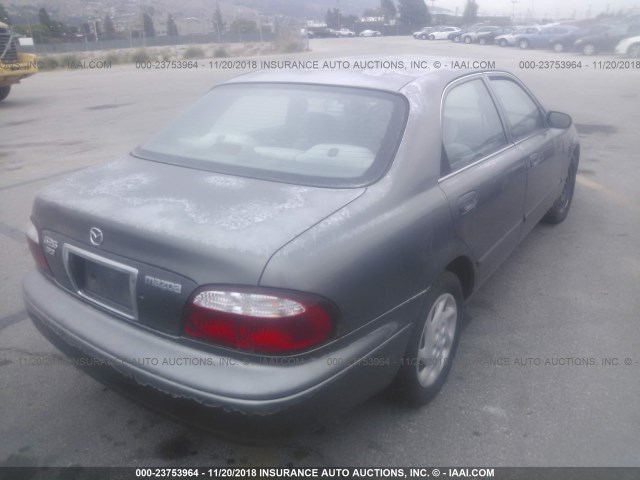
[536, 143]
[483, 174]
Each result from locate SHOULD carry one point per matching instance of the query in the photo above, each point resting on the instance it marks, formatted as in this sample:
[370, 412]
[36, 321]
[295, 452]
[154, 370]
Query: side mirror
[559, 120]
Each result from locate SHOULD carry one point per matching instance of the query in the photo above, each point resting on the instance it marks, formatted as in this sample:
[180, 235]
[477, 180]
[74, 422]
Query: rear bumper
[138, 359]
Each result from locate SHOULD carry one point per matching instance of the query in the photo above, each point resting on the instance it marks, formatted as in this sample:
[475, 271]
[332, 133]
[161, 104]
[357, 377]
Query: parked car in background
[544, 37]
[606, 41]
[472, 36]
[293, 244]
[488, 36]
[323, 32]
[629, 47]
[455, 36]
[442, 32]
[567, 41]
[509, 39]
[370, 33]
[345, 32]
[423, 33]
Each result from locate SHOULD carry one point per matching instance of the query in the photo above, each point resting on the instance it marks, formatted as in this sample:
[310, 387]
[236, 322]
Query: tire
[560, 209]
[589, 49]
[422, 375]
[423, 37]
[634, 50]
[558, 47]
[456, 39]
[503, 42]
[467, 40]
[4, 92]
[431, 37]
[482, 41]
[524, 44]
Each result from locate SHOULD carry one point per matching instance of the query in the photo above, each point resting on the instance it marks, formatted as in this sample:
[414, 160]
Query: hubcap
[523, 44]
[589, 50]
[558, 47]
[436, 340]
[567, 191]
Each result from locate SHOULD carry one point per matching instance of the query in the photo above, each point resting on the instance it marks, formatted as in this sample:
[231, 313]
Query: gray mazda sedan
[297, 241]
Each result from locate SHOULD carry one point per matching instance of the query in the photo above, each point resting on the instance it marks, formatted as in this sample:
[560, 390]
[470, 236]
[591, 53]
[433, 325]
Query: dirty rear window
[304, 134]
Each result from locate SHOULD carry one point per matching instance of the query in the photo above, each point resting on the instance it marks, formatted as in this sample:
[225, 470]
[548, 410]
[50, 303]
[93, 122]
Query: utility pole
[514, 9]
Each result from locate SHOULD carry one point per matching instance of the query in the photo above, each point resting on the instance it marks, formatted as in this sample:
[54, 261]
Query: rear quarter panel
[387, 246]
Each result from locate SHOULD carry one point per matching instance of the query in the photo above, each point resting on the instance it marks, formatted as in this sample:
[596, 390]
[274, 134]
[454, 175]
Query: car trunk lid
[175, 225]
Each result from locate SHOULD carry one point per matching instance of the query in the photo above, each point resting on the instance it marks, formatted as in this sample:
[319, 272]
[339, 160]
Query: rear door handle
[467, 202]
[534, 158]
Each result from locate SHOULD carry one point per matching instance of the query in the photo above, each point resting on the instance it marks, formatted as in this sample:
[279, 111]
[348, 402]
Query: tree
[39, 33]
[45, 20]
[109, 28]
[243, 25]
[389, 9]
[218, 22]
[414, 12]
[4, 15]
[349, 22]
[373, 12]
[470, 14]
[332, 18]
[147, 22]
[172, 28]
[55, 29]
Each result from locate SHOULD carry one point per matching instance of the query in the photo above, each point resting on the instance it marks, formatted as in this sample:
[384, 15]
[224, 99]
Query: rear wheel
[430, 352]
[423, 37]
[524, 44]
[558, 47]
[467, 40]
[431, 37]
[4, 92]
[503, 42]
[456, 39]
[560, 209]
[589, 49]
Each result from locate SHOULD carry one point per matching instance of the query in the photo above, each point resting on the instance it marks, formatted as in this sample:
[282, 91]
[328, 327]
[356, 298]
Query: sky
[541, 8]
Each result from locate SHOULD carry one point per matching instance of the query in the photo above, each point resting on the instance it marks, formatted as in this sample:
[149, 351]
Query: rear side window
[471, 126]
[522, 113]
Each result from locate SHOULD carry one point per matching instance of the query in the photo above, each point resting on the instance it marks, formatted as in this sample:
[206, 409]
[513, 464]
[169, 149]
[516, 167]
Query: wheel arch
[462, 267]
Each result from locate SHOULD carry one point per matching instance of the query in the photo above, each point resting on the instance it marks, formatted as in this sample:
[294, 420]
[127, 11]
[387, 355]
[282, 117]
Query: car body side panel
[371, 256]
[544, 173]
[492, 229]
[391, 242]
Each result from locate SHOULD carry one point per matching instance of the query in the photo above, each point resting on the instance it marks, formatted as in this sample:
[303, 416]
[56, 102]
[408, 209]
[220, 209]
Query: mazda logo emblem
[95, 236]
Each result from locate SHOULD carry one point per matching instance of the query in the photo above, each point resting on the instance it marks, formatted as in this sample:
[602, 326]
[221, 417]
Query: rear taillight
[36, 249]
[259, 320]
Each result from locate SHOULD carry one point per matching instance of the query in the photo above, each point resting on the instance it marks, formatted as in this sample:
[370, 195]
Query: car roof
[392, 75]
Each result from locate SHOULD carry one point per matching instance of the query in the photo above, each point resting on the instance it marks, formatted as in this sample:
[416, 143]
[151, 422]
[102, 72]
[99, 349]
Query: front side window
[294, 133]
[471, 126]
[523, 115]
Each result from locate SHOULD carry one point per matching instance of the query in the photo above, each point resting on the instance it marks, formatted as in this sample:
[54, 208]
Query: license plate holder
[102, 281]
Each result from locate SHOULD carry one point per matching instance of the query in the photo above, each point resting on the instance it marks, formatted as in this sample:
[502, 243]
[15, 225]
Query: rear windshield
[304, 134]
